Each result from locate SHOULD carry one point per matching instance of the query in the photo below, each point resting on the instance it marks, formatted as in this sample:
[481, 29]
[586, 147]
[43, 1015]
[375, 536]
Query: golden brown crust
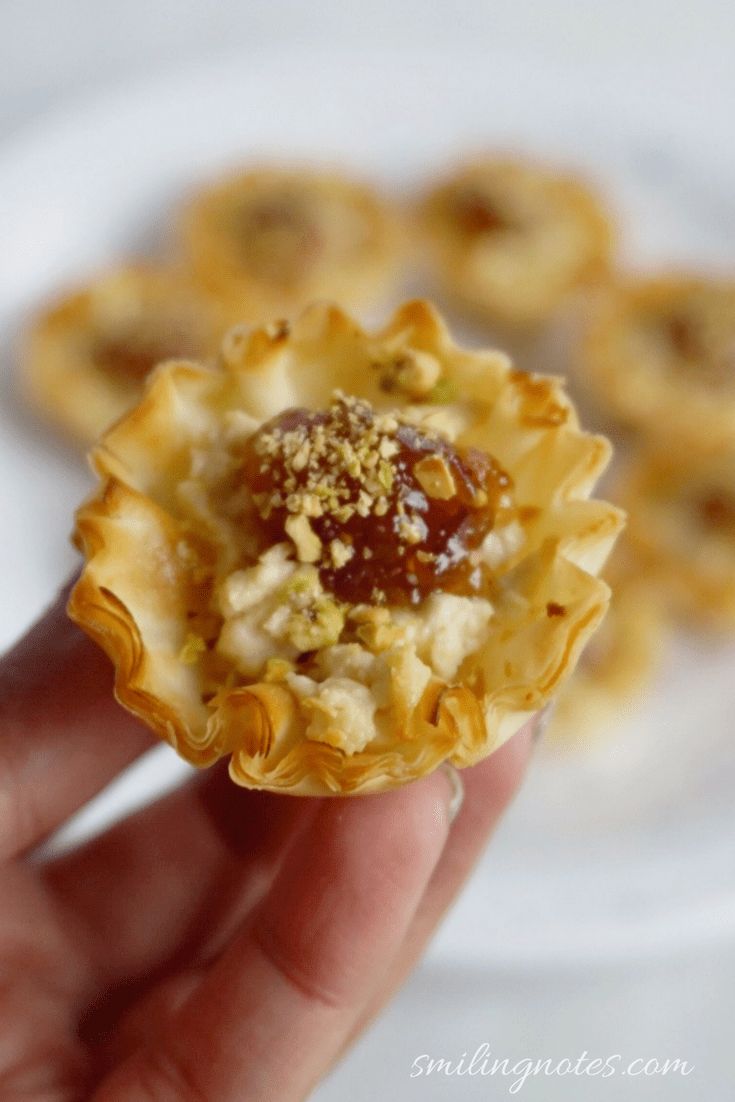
[86, 354]
[659, 354]
[622, 658]
[512, 240]
[108, 531]
[156, 552]
[266, 241]
[682, 524]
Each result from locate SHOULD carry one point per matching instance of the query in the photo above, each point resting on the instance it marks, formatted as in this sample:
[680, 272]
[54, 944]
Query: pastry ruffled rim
[452, 723]
[594, 698]
[694, 590]
[447, 256]
[247, 295]
[69, 390]
[658, 406]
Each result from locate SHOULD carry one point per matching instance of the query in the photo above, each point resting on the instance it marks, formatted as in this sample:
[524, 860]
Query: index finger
[270, 1015]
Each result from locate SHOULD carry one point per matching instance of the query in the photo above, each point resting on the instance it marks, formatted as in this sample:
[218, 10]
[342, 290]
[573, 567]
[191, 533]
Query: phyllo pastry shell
[511, 240]
[660, 355]
[682, 521]
[267, 241]
[342, 558]
[87, 356]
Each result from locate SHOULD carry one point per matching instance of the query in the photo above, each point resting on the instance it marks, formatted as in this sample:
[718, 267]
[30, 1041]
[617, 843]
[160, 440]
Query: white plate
[625, 849]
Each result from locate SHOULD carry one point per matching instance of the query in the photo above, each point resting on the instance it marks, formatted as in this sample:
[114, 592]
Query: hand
[220, 945]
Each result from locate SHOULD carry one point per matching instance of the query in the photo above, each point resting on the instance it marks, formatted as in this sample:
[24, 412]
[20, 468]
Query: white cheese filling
[277, 609]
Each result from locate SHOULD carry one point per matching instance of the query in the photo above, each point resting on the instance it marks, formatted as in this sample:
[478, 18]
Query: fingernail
[456, 787]
[542, 721]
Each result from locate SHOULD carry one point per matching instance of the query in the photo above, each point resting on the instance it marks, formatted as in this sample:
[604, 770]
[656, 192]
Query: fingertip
[491, 784]
[353, 880]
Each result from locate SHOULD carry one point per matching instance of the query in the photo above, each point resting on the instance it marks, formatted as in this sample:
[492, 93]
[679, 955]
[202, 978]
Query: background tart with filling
[659, 354]
[88, 355]
[342, 557]
[268, 240]
[512, 240]
[682, 521]
[624, 655]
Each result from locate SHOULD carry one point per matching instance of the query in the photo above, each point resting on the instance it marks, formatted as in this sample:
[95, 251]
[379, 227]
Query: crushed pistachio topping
[277, 669]
[192, 650]
[312, 618]
[443, 392]
[435, 476]
[318, 625]
[386, 509]
[374, 627]
[307, 543]
[411, 372]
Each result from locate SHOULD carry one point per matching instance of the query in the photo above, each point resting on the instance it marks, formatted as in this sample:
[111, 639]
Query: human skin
[220, 945]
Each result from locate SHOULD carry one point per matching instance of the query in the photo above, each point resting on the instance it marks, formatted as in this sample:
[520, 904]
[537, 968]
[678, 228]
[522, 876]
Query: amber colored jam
[392, 527]
[134, 355]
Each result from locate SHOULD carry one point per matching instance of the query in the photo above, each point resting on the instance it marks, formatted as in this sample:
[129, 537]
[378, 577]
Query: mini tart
[88, 355]
[682, 522]
[511, 241]
[267, 241]
[231, 638]
[618, 665]
[660, 355]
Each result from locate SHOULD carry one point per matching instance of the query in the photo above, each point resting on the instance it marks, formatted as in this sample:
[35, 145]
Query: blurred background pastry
[87, 355]
[681, 520]
[511, 240]
[266, 241]
[659, 354]
[618, 665]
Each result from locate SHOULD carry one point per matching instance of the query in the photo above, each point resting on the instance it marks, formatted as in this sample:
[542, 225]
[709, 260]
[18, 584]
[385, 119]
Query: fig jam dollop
[389, 512]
